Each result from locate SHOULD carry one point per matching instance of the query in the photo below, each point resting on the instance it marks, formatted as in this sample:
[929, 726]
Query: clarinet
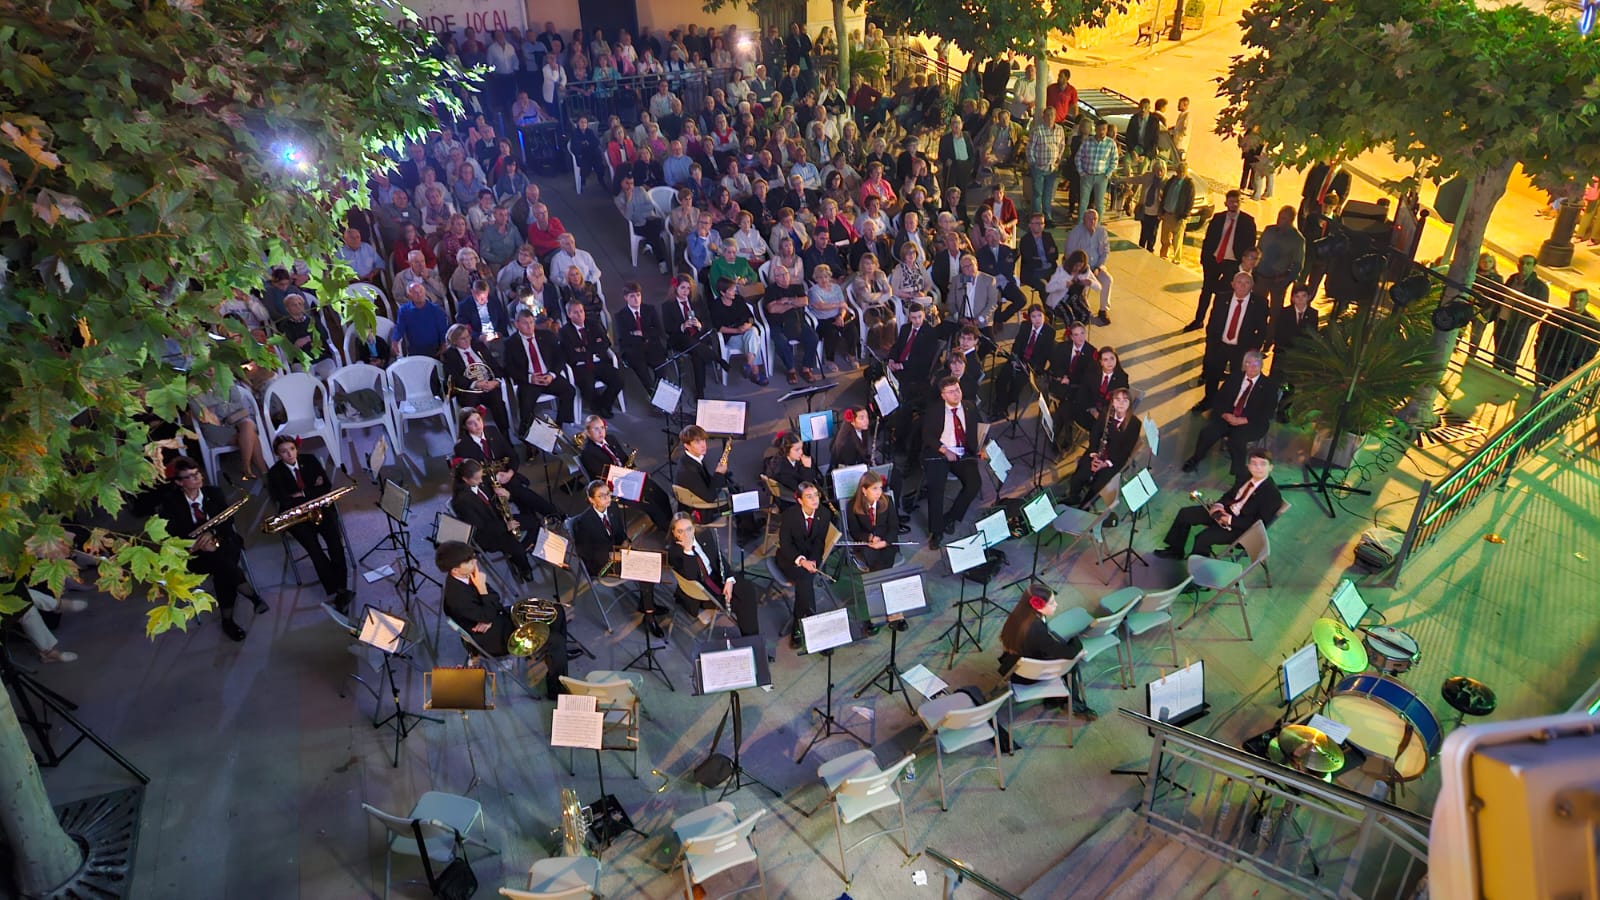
[1105, 436]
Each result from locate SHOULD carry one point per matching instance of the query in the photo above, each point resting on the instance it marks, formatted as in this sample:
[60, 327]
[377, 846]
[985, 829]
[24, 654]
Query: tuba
[533, 618]
[576, 820]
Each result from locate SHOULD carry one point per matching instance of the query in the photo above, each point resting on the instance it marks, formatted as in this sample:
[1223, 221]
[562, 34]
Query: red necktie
[471, 360]
[1244, 396]
[484, 443]
[1027, 352]
[961, 433]
[1238, 502]
[705, 571]
[906, 351]
[612, 453]
[535, 365]
[199, 514]
[484, 497]
[808, 526]
[1327, 182]
[1231, 335]
[1227, 240]
[1105, 387]
[872, 516]
[299, 480]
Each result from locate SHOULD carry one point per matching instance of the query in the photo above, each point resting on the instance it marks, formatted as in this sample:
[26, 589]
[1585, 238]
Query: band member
[587, 350]
[292, 481]
[1253, 498]
[533, 365]
[790, 467]
[873, 519]
[599, 535]
[1094, 393]
[1031, 350]
[1242, 411]
[602, 451]
[494, 451]
[950, 444]
[1027, 633]
[686, 322]
[1111, 444]
[911, 359]
[640, 339]
[486, 509]
[700, 561]
[856, 444]
[1072, 363]
[965, 362]
[802, 546]
[216, 552]
[477, 608]
[472, 375]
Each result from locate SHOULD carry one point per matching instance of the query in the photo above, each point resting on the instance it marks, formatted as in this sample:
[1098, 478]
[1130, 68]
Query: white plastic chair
[1153, 611]
[577, 174]
[715, 840]
[442, 817]
[560, 878]
[412, 393]
[859, 788]
[1048, 682]
[1227, 577]
[384, 328]
[214, 452]
[727, 354]
[1105, 632]
[361, 376]
[635, 241]
[381, 303]
[663, 197]
[955, 724]
[577, 398]
[308, 411]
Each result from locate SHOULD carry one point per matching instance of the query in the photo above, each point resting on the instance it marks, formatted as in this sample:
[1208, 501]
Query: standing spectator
[1511, 326]
[1096, 160]
[1147, 203]
[1235, 328]
[504, 62]
[553, 81]
[1566, 340]
[1046, 142]
[1062, 98]
[797, 47]
[1140, 135]
[1485, 308]
[1229, 234]
[1179, 132]
[1091, 238]
[996, 78]
[1291, 327]
[1283, 254]
[958, 156]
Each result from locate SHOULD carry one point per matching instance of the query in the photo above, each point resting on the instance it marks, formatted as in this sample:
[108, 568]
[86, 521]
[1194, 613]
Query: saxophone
[310, 511]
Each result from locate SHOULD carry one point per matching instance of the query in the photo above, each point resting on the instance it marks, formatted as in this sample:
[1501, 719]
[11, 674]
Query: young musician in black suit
[1111, 444]
[698, 559]
[1072, 362]
[1242, 410]
[473, 374]
[640, 340]
[1027, 633]
[802, 549]
[707, 480]
[602, 450]
[479, 505]
[1094, 392]
[471, 603]
[293, 480]
[1032, 349]
[586, 349]
[216, 552]
[950, 444]
[686, 322]
[1238, 323]
[540, 373]
[599, 533]
[790, 467]
[911, 360]
[872, 518]
[1292, 327]
[966, 356]
[481, 445]
[1254, 498]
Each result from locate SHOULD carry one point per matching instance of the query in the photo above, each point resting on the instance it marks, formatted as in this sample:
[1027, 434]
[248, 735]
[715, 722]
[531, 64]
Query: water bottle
[911, 771]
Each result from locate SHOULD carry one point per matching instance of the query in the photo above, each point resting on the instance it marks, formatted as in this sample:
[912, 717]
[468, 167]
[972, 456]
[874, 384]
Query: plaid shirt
[1097, 156]
[1046, 144]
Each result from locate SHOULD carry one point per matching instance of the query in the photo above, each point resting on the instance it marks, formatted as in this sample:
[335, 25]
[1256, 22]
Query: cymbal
[1310, 748]
[1468, 695]
[1338, 645]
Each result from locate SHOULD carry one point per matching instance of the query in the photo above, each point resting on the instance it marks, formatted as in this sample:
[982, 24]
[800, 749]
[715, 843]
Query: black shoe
[1192, 326]
[1198, 407]
[232, 630]
[905, 527]
[794, 639]
[949, 528]
[574, 653]
[261, 606]
[1102, 320]
[342, 600]
[1168, 553]
[1085, 713]
[933, 542]
[1190, 464]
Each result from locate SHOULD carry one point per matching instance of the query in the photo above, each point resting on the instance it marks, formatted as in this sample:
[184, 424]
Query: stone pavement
[263, 752]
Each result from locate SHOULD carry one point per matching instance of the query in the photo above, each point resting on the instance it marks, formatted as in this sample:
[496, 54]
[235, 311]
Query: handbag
[456, 881]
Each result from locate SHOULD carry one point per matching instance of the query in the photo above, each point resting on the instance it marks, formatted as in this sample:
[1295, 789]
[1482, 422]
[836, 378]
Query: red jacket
[544, 239]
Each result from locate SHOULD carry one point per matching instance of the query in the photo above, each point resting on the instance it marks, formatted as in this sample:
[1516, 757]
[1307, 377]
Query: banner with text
[483, 16]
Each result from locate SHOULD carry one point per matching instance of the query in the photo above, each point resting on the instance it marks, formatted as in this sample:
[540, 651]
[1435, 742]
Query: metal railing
[625, 95]
[957, 873]
[1505, 319]
[1314, 837]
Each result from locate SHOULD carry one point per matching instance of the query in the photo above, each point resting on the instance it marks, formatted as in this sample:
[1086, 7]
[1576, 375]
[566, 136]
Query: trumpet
[533, 617]
[219, 518]
[310, 511]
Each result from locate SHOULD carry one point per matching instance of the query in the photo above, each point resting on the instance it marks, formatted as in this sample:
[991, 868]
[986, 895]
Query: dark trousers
[643, 361]
[832, 335]
[805, 589]
[601, 383]
[654, 234]
[1086, 484]
[935, 469]
[704, 354]
[533, 506]
[1011, 302]
[653, 503]
[1216, 281]
[1509, 336]
[746, 606]
[528, 400]
[1219, 361]
[222, 564]
[1210, 538]
[330, 563]
[1238, 445]
[1147, 231]
[1009, 383]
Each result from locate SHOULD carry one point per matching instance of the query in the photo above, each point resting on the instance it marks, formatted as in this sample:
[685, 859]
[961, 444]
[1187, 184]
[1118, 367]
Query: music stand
[640, 566]
[1038, 512]
[668, 397]
[386, 634]
[904, 598]
[1137, 493]
[808, 393]
[460, 688]
[736, 664]
[964, 555]
[577, 722]
[395, 501]
[825, 632]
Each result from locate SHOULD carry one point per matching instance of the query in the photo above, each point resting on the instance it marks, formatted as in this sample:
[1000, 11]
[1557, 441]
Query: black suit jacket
[699, 478]
[998, 260]
[499, 448]
[1043, 348]
[790, 475]
[672, 322]
[1288, 326]
[467, 314]
[1121, 443]
[795, 542]
[1258, 407]
[647, 323]
[488, 525]
[1088, 396]
[919, 362]
[888, 526]
[455, 367]
[466, 607]
[1031, 260]
[1039, 642]
[1244, 235]
[1262, 506]
[516, 356]
[180, 518]
[593, 540]
[286, 491]
[933, 426]
[1074, 369]
[1252, 325]
[1340, 183]
[580, 350]
[688, 565]
[850, 449]
[596, 461]
[942, 269]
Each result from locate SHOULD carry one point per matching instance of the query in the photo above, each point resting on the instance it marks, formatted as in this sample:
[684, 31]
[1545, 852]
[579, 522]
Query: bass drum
[1387, 718]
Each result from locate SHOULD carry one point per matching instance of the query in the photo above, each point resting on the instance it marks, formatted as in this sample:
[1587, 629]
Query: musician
[639, 336]
[599, 534]
[685, 320]
[484, 508]
[292, 481]
[873, 519]
[533, 364]
[1027, 633]
[1072, 362]
[950, 444]
[216, 552]
[968, 356]
[856, 444]
[601, 451]
[701, 562]
[586, 348]
[1111, 444]
[477, 608]
[1235, 326]
[472, 376]
[790, 466]
[1292, 328]
[1031, 350]
[486, 317]
[802, 546]
[478, 443]
[911, 359]
[1241, 410]
[1253, 498]
[1094, 393]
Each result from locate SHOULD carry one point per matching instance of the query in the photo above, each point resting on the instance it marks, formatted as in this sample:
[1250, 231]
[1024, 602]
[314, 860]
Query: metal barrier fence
[624, 96]
[1505, 319]
[1316, 838]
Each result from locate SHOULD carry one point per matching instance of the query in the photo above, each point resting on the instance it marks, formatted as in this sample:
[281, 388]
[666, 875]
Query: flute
[886, 543]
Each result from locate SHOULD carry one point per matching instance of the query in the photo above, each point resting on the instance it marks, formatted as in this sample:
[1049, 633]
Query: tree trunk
[1041, 77]
[1487, 189]
[843, 40]
[45, 856]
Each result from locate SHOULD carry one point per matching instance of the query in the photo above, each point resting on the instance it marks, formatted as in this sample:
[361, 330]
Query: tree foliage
[990, 28]
[153, 155]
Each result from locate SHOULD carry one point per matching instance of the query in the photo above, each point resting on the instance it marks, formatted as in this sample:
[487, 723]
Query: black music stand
[460, 688]
[964, 555]
[1136, 493]
[648, 655]
[27, 690]
[577, 724]
[808, 393]
[396, 505]
[738, 663]
[824, 633]
[1036, 525]
[386, 634]
[893, 612]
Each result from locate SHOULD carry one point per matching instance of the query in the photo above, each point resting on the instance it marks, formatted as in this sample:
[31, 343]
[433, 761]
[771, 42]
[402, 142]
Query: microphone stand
[677, 418]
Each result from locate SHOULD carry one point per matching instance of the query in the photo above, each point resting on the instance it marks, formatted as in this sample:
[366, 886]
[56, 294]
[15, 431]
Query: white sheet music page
[924, 682]
[543, 435]
[727, 670]
[583, 729]
[627, 484]
[883, 395]
[641, 565]
[720, 416]
[666, 396]
[903, 594]
[550, 547]
[824, 631]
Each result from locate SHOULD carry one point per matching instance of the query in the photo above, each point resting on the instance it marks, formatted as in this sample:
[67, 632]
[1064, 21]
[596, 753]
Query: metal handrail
[965, 872]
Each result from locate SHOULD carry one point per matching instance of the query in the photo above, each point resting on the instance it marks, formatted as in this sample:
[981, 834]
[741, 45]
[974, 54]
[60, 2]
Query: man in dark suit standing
[911, 360]
[533, 362]
[1241, 410]
[294, 480]
[586, 348]
[1254, 498]
[1323, 179]
[1228, 236]
[1040, 256]
[1291, 325]
[1238, 325]
[950, 444]
[1032, 350]
[640, 340]
[802, 549]
[187, 506]
[478, 609]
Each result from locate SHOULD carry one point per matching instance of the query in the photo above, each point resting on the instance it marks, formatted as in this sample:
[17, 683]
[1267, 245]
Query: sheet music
[543, 435]
[845, 481]
[903, 594]
[580, 702]
[395, 501]
[983, 433]
[964, 554]
[883, 395]
[376, 575]
[816, 426]
[1337, 731]
[994, 528]
[720, 416]
[924, 682]
[1348, 603]
[1178, 693]
[1039, 512]
[1300, 672]
[577, 728]
[727, 670]
[627, 484]
[641, 565]
[1046, 419]
[1139, 489]
[550, 547]
[375, 459]
[450, 528]
[666, 396]
[747, 501]
[998, 463]
[381, 630]
[1152, 436]
[824, 631]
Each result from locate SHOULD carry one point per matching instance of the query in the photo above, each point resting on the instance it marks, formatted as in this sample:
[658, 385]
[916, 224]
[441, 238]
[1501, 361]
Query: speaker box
[1370, 219]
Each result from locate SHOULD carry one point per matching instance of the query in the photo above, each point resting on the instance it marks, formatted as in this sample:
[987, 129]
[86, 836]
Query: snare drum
[1390, 650]
[1380, 711]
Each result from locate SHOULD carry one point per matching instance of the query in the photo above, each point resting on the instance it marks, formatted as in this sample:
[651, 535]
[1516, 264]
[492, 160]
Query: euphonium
[533, 618]
[575, 822]
[310, 511]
